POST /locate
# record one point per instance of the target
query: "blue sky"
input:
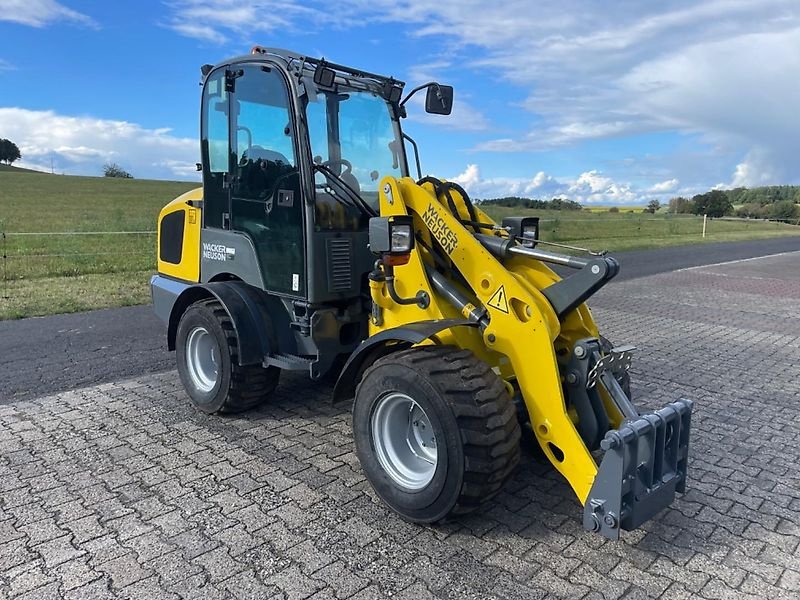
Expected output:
(601, 102)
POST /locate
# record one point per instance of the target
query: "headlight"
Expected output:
(401, 238)
(391, 235)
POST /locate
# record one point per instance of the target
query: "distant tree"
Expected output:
(653, 206)
(751, 210)
(614, 209)
(681, 206)
(517, 202)
(9, 152)
(785, 209)
(714, 204)
(114, 170)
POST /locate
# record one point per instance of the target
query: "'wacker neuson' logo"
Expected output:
(218, 252)
(439, 229)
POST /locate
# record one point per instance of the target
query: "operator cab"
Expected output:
(293, 150)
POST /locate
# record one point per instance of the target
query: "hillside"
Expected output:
(51, 269)
(33, 201)
(12, 169)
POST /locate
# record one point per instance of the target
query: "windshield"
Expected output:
(353, 135)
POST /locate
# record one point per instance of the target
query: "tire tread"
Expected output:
(485, 414)
(250, 384)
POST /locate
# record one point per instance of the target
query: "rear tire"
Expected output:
(436, 432)
(208, 363)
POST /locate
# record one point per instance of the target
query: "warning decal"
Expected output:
(499, 300)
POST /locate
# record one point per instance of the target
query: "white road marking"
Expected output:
(732, 262)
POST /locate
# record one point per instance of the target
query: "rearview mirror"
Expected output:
(439, 99)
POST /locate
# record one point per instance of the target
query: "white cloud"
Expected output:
(81, 145)
(726, 72)
(670, 185)
(591, 187)
(215, 20)
(6, 66)
(38, 13)
(740, 93)
(756, 169)
(540, 185)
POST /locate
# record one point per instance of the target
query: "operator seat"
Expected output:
(351, 181)
(256, 153)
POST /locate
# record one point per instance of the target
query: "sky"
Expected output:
(602, 102)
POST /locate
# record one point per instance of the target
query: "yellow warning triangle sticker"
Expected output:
(499, 300)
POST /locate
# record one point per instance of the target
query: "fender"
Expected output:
(248, 309)
(386, 342)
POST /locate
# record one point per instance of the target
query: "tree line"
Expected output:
(518, 202)
(766, 202)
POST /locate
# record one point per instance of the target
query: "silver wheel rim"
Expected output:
(404, 441)
(202, 359)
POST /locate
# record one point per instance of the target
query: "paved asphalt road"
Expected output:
(123, 490)
(49, 354)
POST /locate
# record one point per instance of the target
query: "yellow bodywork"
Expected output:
(524, 336)
(188, 269)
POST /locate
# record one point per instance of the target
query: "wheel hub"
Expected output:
(404, 441)
(202, 359)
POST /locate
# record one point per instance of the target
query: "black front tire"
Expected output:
(471, 414)
(236, 388)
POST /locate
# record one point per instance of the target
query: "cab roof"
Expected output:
(307, 65)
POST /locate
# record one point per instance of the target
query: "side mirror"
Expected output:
(526, 229)
(439, 99)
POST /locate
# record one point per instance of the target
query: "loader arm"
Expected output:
(535, 330)
(523, 326)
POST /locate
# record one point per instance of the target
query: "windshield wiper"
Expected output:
(353, 197)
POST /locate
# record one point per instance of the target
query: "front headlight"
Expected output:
(401, 238)
(391, 235)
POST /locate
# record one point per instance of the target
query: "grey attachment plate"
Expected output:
(618, 361)
(645, 463)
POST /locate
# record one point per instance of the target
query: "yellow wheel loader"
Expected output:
(311, 248)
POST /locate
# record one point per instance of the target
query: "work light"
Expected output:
(391, 236)
(402, 238)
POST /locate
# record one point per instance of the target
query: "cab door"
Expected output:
(266, 202)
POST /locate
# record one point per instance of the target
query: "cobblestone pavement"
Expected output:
(122, 490)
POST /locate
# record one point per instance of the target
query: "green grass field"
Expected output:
(54, 273)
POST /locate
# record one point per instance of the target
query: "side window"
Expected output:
(329, 214)
(263, 133)
(266, 202)
(214, 147)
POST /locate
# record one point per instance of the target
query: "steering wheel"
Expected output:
(339, 161)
